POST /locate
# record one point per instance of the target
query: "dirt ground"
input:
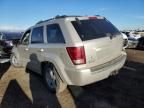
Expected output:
(19, 89)
(135, 55)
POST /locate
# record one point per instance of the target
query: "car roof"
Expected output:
(66, 17)
(18, 34)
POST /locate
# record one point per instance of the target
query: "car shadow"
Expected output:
(41, 96)
(14, 97)
(125, 90)
(26, 90)
(18, 96)
(3, 68)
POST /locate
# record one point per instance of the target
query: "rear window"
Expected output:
(94, 28)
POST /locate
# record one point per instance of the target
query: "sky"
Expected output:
(21, 14)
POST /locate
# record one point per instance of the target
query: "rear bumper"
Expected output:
(97, 73)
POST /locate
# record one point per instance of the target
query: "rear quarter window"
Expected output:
(54, 34)
(94, 28)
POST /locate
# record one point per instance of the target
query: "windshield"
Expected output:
(94, 28)
(12, 36)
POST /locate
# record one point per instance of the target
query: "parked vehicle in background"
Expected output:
(132, 42)
(7, 41)
(140, 45)
(135, 35)
(133, 39)
(71, 50)
(125, 40)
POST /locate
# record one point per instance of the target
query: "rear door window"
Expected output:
(94, 28)
(37, 35)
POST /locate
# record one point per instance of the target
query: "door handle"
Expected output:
(41, 50)
(26, 49)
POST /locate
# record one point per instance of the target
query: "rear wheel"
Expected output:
(14, 61)
(52, 80)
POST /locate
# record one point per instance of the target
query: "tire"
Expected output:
(14, 61)
(52, 79)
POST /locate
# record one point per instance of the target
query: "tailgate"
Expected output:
(102, 50)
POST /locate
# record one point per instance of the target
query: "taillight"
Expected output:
(96, 17)
(77, 55)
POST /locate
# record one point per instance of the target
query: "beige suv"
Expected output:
(71, 50)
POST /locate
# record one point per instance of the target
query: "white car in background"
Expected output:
(134, 35)
(125, 40)
(133, 39)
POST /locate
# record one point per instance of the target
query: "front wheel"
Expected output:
(52, 80)
(14, 61)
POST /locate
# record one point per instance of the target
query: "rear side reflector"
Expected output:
(77, 55)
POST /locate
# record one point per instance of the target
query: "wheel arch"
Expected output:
(51, 65)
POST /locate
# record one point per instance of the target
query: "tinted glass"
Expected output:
(54, 34)
(94, 28)
(37, 35)
(25, 38)
(11, 36)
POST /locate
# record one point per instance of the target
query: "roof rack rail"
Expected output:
(96, 15)
(39, 22)
(57, 17)
(65, 16)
